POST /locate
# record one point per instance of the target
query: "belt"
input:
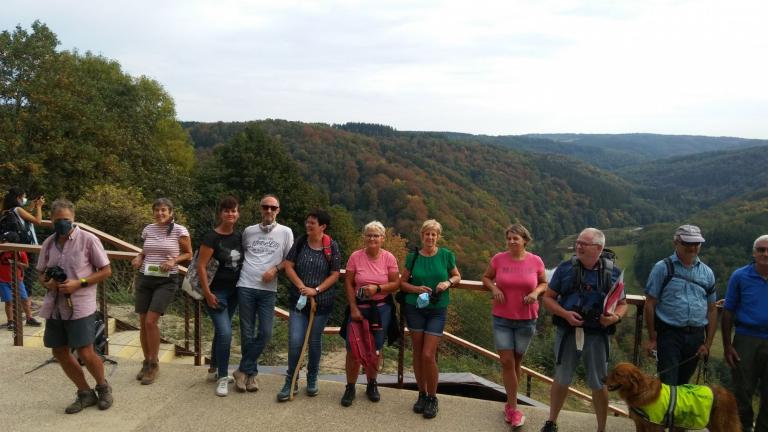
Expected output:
(661, 325)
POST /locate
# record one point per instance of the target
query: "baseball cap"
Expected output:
(689, 234)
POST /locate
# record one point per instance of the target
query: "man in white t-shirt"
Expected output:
(265, 247)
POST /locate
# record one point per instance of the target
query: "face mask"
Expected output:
(422, 300)
(301, 303)
(24, 201)
(62, 226)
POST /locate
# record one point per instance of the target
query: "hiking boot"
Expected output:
(105, 395)
(312, 389)
(252, 383)
(85, 398)
(222, 386)
(32, 322)
(285, 393)
(549, 426)
(430, 407)
(418, 407)
(144, 367)
(240, 378)
(151, 374)
(372, 390)
(349, 395)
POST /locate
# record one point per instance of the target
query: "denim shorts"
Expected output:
(510, 334)
(427, 320)
(6, 295)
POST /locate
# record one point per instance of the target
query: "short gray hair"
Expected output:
(62, 203)
(431, 224)
(375, 226)
(597, 236)
(762, 238)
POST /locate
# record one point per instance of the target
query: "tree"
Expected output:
(71, 120)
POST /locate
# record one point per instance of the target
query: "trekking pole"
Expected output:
(297, 369)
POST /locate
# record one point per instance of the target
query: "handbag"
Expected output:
(191, 283)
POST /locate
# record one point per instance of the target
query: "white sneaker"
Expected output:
(222, 387)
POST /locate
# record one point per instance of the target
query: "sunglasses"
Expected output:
(687, 244)
(761, 249)
(269, 207)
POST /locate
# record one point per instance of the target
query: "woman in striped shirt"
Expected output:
(165, 245)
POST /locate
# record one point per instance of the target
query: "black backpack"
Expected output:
(99, 338)
(11, 223)
(708, 290)
(588, 305)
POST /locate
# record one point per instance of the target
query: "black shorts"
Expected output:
(71, 333)
(154, 293)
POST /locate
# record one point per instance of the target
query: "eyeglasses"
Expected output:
(585, 244)
(761, 250)
(269, 207)
(372, 236)
(689, 244)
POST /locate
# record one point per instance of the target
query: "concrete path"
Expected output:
(181, 400)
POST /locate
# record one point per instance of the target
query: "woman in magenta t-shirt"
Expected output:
(371, 276)
(516, 278)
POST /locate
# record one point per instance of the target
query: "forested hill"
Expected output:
(474, 190)
(693, 182)
(614, 151)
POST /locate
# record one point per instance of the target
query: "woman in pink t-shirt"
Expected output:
(371, 276)
(516, 278)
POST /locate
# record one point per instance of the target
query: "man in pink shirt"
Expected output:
(71, 263)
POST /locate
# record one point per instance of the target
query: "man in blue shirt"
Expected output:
(680, 310)
(746, 307)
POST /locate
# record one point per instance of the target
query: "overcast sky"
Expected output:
(497, 67)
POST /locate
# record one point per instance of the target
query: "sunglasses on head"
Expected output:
(269, 207)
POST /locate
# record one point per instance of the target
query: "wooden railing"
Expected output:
(128, 251)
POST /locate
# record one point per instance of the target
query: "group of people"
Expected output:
(238, 273)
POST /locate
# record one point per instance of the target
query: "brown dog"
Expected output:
(640, 390)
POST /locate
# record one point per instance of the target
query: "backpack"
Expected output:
(671, 275)
(11, 223)
(588, 304)
(326, 246)
(99, 339)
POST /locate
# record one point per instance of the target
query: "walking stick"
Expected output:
(297, 369)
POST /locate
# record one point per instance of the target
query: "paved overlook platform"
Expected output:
(181, 400)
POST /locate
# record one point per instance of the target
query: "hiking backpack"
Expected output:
(671, 275)
(11, 223)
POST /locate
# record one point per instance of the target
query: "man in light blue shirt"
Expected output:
(680, 310)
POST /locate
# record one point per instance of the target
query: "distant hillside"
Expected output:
(474, 190)
(692, 182)
(614, 151)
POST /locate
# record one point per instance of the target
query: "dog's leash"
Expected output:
(677, 365)
(702, 371)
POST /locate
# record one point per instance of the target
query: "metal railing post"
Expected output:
(101, 288)
(638, 333)
(198, 334)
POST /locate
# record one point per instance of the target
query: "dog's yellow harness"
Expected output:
(686, 406)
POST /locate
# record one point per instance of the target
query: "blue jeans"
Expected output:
(253, 303)
(222, 328)
(297, 328)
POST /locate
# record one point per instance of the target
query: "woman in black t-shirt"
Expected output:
(224, 244)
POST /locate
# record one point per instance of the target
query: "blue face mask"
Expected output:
(422, 300)
(301, 303)
(62, 226)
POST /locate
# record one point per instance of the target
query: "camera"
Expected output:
(590, 309)
(56, 273)
(9, 237)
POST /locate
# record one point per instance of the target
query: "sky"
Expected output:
(486, 67)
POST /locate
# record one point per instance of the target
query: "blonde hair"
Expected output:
(375, 226)
(431, 224)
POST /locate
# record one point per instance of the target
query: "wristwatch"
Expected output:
(83, 282)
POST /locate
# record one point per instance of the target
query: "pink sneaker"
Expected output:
(514, 417)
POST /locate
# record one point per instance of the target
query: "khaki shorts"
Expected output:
(154, 293)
